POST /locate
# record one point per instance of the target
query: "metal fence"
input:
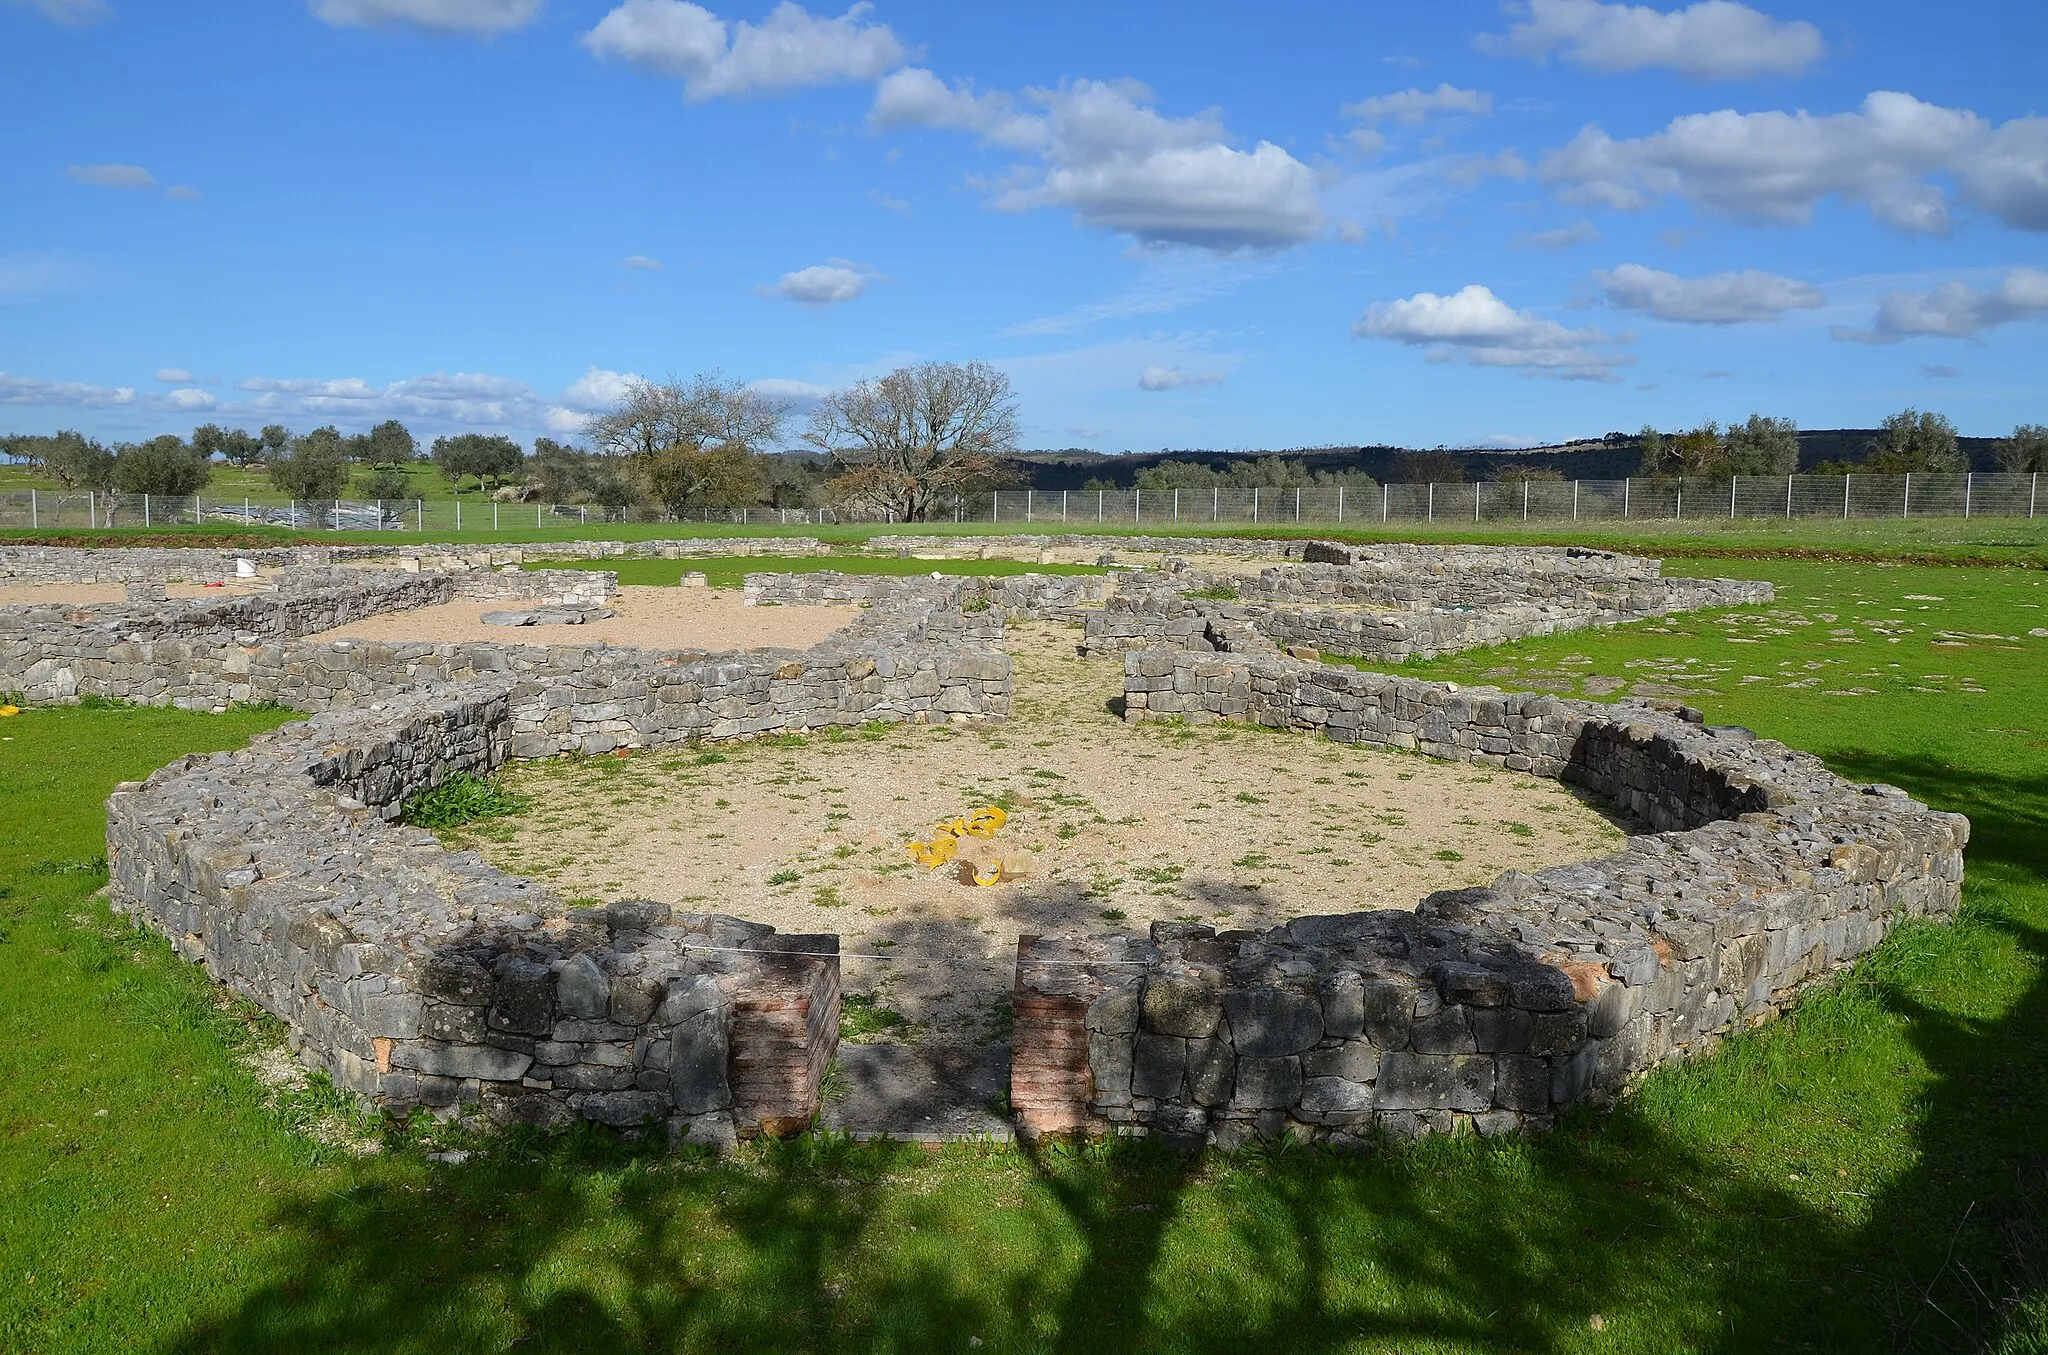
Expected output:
(1841, 497)
(1743, 497)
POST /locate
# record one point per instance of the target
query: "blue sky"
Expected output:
(1171, 225)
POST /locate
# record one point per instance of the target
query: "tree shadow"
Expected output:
(1619, 1229)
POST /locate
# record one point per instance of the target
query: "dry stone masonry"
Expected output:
(418, 977)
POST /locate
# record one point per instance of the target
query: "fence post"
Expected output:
(1575, 501)
(1624, 495)
(1386, 493)
(1432, 501)
(1255, 503)
(1297, 505)
(1731, 498)
(419, 521)
(1063, 505)
(92, 508)
(536, 516)
(1906, 506)
(1476, 490)
(494, 514)
(1216, 505)
(145, 510)
(1027, 505)
(1137, 497)
(1525, 500)
(2033, 492)
(1340, 503)
(1788, 496)
(1969, 483)
(1846, 478)
(1098, 505)
(1176, 505)
(1681, 500)
(34, 517)
(458, 514)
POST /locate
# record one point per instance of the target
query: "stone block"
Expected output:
(1269, 1083)
(1435, 1081)
(1160, 1065)
(460, 1061)
(1269, 1023)
(1180, 1007)
(524, 998)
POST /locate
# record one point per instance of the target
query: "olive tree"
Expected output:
(490, 458)
(1759, 446)
(1911, 442)
(907, 442)
(313, 467)
(2026, 450)
(163, 465)
(78, 462)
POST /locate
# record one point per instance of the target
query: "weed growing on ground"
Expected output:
(462, 798)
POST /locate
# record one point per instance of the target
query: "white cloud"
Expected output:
(112, 176)
(1477, 326)
(641, 261)
(1710, 40)
(790, 49)
(598, 388)
(882, 200)
(1411, 107)
(1715, 299)
(825, 284)
(174, 376)
(190, 400)
(1106, 155)
(76, 13)
(483, 17)
(1157, 377)
(1955, 310)
(1777, 166)
(31, 390)
(1562, 237)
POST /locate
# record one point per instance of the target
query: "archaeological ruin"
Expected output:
(415, 976)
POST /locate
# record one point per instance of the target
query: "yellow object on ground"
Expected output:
(6, 711)
(946, 837)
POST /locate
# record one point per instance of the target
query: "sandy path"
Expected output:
(1121, 825)
(652, 618)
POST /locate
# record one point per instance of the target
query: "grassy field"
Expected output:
(1870, 1173)
(235, 482)
(2005, 541)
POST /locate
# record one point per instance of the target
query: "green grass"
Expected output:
(462, 798)
(1870, 1173)
(2011, 541)
(730, 571)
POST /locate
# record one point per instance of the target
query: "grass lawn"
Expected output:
(2006, 541)
(1870, 1173)
(730, 571)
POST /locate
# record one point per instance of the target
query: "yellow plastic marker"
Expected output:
(984, 822)
(9, 711)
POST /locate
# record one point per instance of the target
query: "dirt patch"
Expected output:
(651, 618)
(1116, 826)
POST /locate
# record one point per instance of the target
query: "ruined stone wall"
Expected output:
(1491, 1008)
(419, 977)
(1062, 597)
(1361, 611)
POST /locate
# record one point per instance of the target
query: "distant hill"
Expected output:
(1614, 457)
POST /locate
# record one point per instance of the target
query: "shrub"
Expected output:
(460, 799)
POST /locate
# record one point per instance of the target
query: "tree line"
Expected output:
(906, 445)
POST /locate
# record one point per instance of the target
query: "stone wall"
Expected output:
(1389, 616)
(1491, 1008)
(419, 977)
(1014, 597)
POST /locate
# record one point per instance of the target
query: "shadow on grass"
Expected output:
(1625, 1231)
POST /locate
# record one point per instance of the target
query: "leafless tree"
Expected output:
(907, 442)
(693, 445)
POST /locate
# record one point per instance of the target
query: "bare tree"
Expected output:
(693, 446)
(905, 442)
(2026, 450)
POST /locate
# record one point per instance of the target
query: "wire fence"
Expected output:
(1739, 498)
(1841, 497)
